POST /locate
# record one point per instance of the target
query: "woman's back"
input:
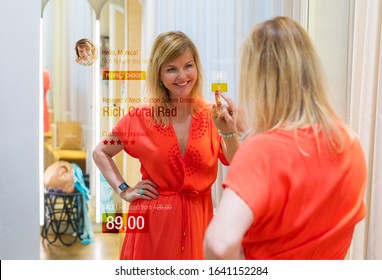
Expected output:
(305, 201)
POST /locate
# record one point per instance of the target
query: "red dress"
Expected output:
(305, 203)
(177, 220)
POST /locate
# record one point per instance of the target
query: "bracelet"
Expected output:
(245, 134)
(228, 135)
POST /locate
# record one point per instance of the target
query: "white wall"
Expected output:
(329, 28)
(19, 89)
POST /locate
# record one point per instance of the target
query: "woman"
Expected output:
(295, 187)
(178, 145)
(86, 52)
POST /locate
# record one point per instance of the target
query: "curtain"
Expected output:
(366, 119)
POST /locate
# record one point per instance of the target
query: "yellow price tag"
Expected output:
(223, 87)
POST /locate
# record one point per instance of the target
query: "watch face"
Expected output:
(123, 186)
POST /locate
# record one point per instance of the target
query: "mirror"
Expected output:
(69, 98)
(126, 32)
(68, 36)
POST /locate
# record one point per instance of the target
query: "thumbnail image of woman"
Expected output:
(178, 146)
(86, 52)
(296, 185)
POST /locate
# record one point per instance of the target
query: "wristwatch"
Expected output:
(123, 187)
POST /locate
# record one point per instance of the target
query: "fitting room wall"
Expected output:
(19, 93)
(329, 26)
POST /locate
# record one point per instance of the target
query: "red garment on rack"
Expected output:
(46, 80)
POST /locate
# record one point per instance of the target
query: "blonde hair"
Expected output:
(282, 84)
(167, 47)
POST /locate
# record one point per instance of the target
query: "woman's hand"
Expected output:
(227, 117)
(145, 189)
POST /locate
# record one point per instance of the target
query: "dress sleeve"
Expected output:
(249, 176)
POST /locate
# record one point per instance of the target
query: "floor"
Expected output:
(106, 246)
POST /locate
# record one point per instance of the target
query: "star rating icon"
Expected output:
(119, 142)
(132, 142)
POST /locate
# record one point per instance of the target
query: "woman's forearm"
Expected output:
(108, 169)
(230, 145)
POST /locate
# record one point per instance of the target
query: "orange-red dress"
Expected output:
(305, 203)
(177, 220)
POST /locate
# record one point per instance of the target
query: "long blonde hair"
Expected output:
(282, 84)
(167, 47)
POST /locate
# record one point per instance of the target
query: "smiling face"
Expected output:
(84, 53)
(180, 75)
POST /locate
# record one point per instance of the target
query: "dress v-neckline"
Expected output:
(188, 138)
